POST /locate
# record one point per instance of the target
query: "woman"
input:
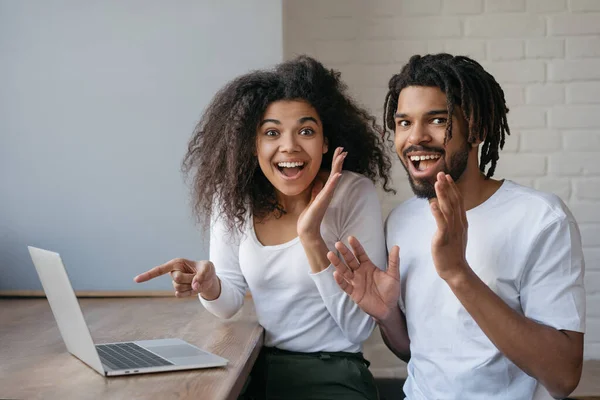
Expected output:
(266, 158)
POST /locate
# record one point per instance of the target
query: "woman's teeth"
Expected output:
(290, 164)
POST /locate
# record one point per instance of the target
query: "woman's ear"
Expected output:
(325, 145)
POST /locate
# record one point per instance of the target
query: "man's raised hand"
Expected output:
(375, 291)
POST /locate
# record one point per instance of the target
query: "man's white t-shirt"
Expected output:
(526, 246)
(301, 311)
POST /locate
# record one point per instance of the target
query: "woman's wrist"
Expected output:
(213, 291)
(311, 239)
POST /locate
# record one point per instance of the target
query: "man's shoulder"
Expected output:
(533, 203)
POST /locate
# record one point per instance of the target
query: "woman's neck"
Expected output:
(294, 205)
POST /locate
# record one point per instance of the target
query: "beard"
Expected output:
(424, 188)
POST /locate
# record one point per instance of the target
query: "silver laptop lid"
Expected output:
(65, 307)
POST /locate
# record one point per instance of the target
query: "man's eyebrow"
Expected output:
(428, 113)
(264, 121)
(437, 112)
(304, 119)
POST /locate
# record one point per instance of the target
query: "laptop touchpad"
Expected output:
(178, 350)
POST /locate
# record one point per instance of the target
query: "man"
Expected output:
(491, 316)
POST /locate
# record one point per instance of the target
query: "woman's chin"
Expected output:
(296, 186)
(292, 190)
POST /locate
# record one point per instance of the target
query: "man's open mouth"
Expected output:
(422, 162)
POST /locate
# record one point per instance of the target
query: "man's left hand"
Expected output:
(449, 243)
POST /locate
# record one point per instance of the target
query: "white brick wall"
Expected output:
(585, 46)
(544, 53)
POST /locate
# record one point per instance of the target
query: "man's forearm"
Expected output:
(553, 357)
(395, 334)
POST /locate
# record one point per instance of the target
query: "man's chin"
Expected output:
(423, 189)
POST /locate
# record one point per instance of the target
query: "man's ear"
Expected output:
(477, 141)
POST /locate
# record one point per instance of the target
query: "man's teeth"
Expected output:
(290, 164)
(423, 158)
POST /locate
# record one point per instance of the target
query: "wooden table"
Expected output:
(35, 364)
(589, 385)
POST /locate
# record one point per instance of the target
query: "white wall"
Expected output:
(544, 53)
(97, 102)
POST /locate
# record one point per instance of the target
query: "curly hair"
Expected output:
(466, 84)
(221, 154)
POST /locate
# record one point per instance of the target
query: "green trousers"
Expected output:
(285, 375)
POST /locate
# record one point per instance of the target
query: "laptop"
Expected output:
(110, 359)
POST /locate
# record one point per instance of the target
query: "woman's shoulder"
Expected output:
(355, 201)
(354, 190)
(354, 182)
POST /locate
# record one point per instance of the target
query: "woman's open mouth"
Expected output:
(290, 170)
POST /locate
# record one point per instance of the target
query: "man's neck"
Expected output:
(475, 188)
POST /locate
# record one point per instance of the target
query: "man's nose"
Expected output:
(419, 134)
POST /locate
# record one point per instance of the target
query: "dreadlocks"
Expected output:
(466, 84)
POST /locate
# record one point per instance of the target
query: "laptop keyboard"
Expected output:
(128, 355)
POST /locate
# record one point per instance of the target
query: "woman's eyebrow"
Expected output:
(304, 119)
(275, 121)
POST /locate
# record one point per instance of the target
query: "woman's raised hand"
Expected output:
(309, 222)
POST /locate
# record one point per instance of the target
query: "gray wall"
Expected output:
(97, 102)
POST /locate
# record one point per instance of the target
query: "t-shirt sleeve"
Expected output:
(224, 254)
(359, 215)
(552, 291)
